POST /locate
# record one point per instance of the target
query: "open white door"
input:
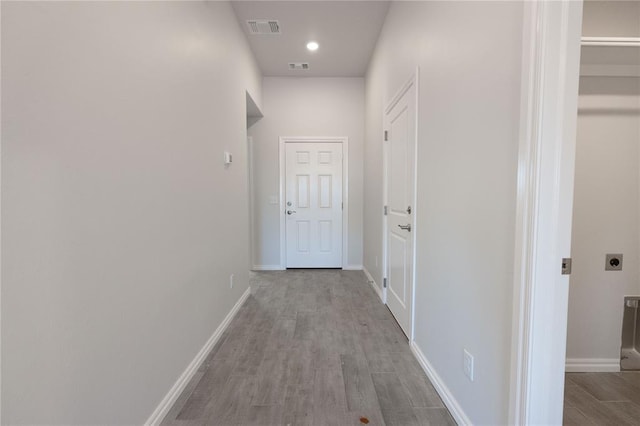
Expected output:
(313, 197)
(400, 136)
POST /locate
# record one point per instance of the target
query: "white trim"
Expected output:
(412, 82)
(449, 400)
(414, 213)
(281, 190)
(267, 268)
(170, 398)
(548, 115)
(352, 268)
(611, 41)
(375, 286)
(344, 140)
(524, 247)
(250, 184)
(592, 365)
(1, 215)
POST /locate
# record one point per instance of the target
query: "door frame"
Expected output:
(344, 140)
(548, 120)
(251, 191)
(413, 83)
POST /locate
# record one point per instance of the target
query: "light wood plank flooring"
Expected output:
(602, 399)
(311, 347)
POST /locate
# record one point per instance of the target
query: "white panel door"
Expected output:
(313, 203)
(400, 124)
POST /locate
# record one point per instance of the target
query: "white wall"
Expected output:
(120, 225)
(469, 55)
(611, 18)
(606, 215)
(305, 107)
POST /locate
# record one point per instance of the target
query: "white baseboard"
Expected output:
(167, 402)
(352, 268)
(592, 365)
(452, 404)
(375, 286)
(267, 268)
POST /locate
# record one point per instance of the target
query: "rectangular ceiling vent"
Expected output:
(263, 26)
(299, 66)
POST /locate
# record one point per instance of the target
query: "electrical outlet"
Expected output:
(231, 281)
(468, 365)
(613, 262)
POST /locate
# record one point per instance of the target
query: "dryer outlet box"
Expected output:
(613, 262)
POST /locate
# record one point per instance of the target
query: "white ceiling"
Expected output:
(346, 31)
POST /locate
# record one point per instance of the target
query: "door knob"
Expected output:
(290, 212)
(405, 227)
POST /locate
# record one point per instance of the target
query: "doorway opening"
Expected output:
(602, 340)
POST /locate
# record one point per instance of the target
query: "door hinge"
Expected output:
(384, 283)
(566, 266)
(386, 135)
(386, 210)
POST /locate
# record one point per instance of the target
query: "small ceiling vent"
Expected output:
(263, 26)
(298, 65)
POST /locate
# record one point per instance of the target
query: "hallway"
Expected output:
(310, 347)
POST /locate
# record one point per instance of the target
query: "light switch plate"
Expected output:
(273, 200)
(228, 158)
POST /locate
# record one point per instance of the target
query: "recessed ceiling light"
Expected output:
(312, 46)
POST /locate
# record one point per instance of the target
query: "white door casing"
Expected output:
(550, 75)
(400, 189)
(312, 202)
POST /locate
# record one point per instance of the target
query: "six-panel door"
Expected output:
(313, 205)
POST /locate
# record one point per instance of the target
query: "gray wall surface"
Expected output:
(120, 224)
(469, 54)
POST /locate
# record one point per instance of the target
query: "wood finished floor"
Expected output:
(602, 399)
(310, 347)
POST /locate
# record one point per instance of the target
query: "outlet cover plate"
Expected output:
(613, 262)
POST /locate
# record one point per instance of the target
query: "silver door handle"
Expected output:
(290, 212)
(405, 227)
